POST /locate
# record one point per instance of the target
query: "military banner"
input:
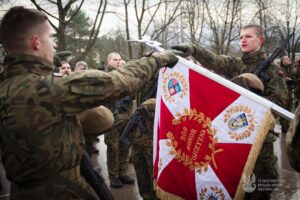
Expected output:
(206, 136)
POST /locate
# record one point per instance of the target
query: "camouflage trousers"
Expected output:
(117, 154)
(142, 160)
(265, 171)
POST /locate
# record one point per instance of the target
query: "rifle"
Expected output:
(94, 178)
(261, 68)
(137, 119)
(123, 104)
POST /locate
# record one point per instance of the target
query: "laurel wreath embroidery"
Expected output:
(184, 86)
(183, 157)
(216, 190)
(250, 129)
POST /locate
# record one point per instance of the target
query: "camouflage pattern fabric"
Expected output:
(288, 76)
(296, 72)
(293, 134)
(142, 158)
(147, 89)
(117, 153)
(38, 112)
(293, 141)
(275, 91)
(50, 191)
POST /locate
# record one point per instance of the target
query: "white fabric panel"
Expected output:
(207, 180)
(179, 101)
(164, 157)
(257, 113)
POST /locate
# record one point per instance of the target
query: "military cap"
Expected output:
(96, 120)
(59, 56)
(150, 104)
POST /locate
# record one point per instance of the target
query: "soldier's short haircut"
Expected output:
(82, 63)
(17, 22)
(258, 28)
(63, 62)
(112, 54)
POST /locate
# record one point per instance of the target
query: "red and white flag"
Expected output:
(206, 136)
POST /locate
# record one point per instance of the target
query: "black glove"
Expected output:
(184, 49)
(165, 58)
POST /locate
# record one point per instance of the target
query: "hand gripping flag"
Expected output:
(206, 136)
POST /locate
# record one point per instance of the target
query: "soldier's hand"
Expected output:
(165, 58)
(249, 81)
(184, 49)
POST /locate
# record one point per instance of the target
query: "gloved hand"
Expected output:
(184, 49)
(249, 81)
(165, 58)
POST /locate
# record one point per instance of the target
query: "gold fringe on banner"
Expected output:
(266, 125)
(163, 195)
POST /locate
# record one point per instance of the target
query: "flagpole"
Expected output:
(260, 100)
(205, 72)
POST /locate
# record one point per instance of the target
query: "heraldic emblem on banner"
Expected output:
(204, 137)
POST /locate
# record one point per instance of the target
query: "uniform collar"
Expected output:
(254, 58)
(16, 64)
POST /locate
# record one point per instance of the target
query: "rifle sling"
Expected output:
(53, 176)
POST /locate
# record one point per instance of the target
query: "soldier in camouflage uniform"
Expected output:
(293, 135)
(293, 141)
(251, 40)
(42, 142)
(118, 153)
(287, 68)
(296, 73)
(142, 152)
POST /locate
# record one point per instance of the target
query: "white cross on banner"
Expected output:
(206, 136)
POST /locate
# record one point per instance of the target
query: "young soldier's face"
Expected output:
(115, 61)
(249, 40)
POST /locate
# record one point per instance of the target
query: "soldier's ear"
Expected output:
(262, 40)
(35, 42)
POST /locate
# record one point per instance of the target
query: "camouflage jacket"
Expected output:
(293, 141)
(293, 134)
(229, 66)
(121, 107)
(38, 111)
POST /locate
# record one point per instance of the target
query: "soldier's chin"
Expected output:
(245, 50)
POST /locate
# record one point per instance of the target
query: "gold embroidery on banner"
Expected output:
(250, 129)
(217, 193)
(183, 84)
(182, 157)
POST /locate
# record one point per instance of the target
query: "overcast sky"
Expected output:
(111, 22)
